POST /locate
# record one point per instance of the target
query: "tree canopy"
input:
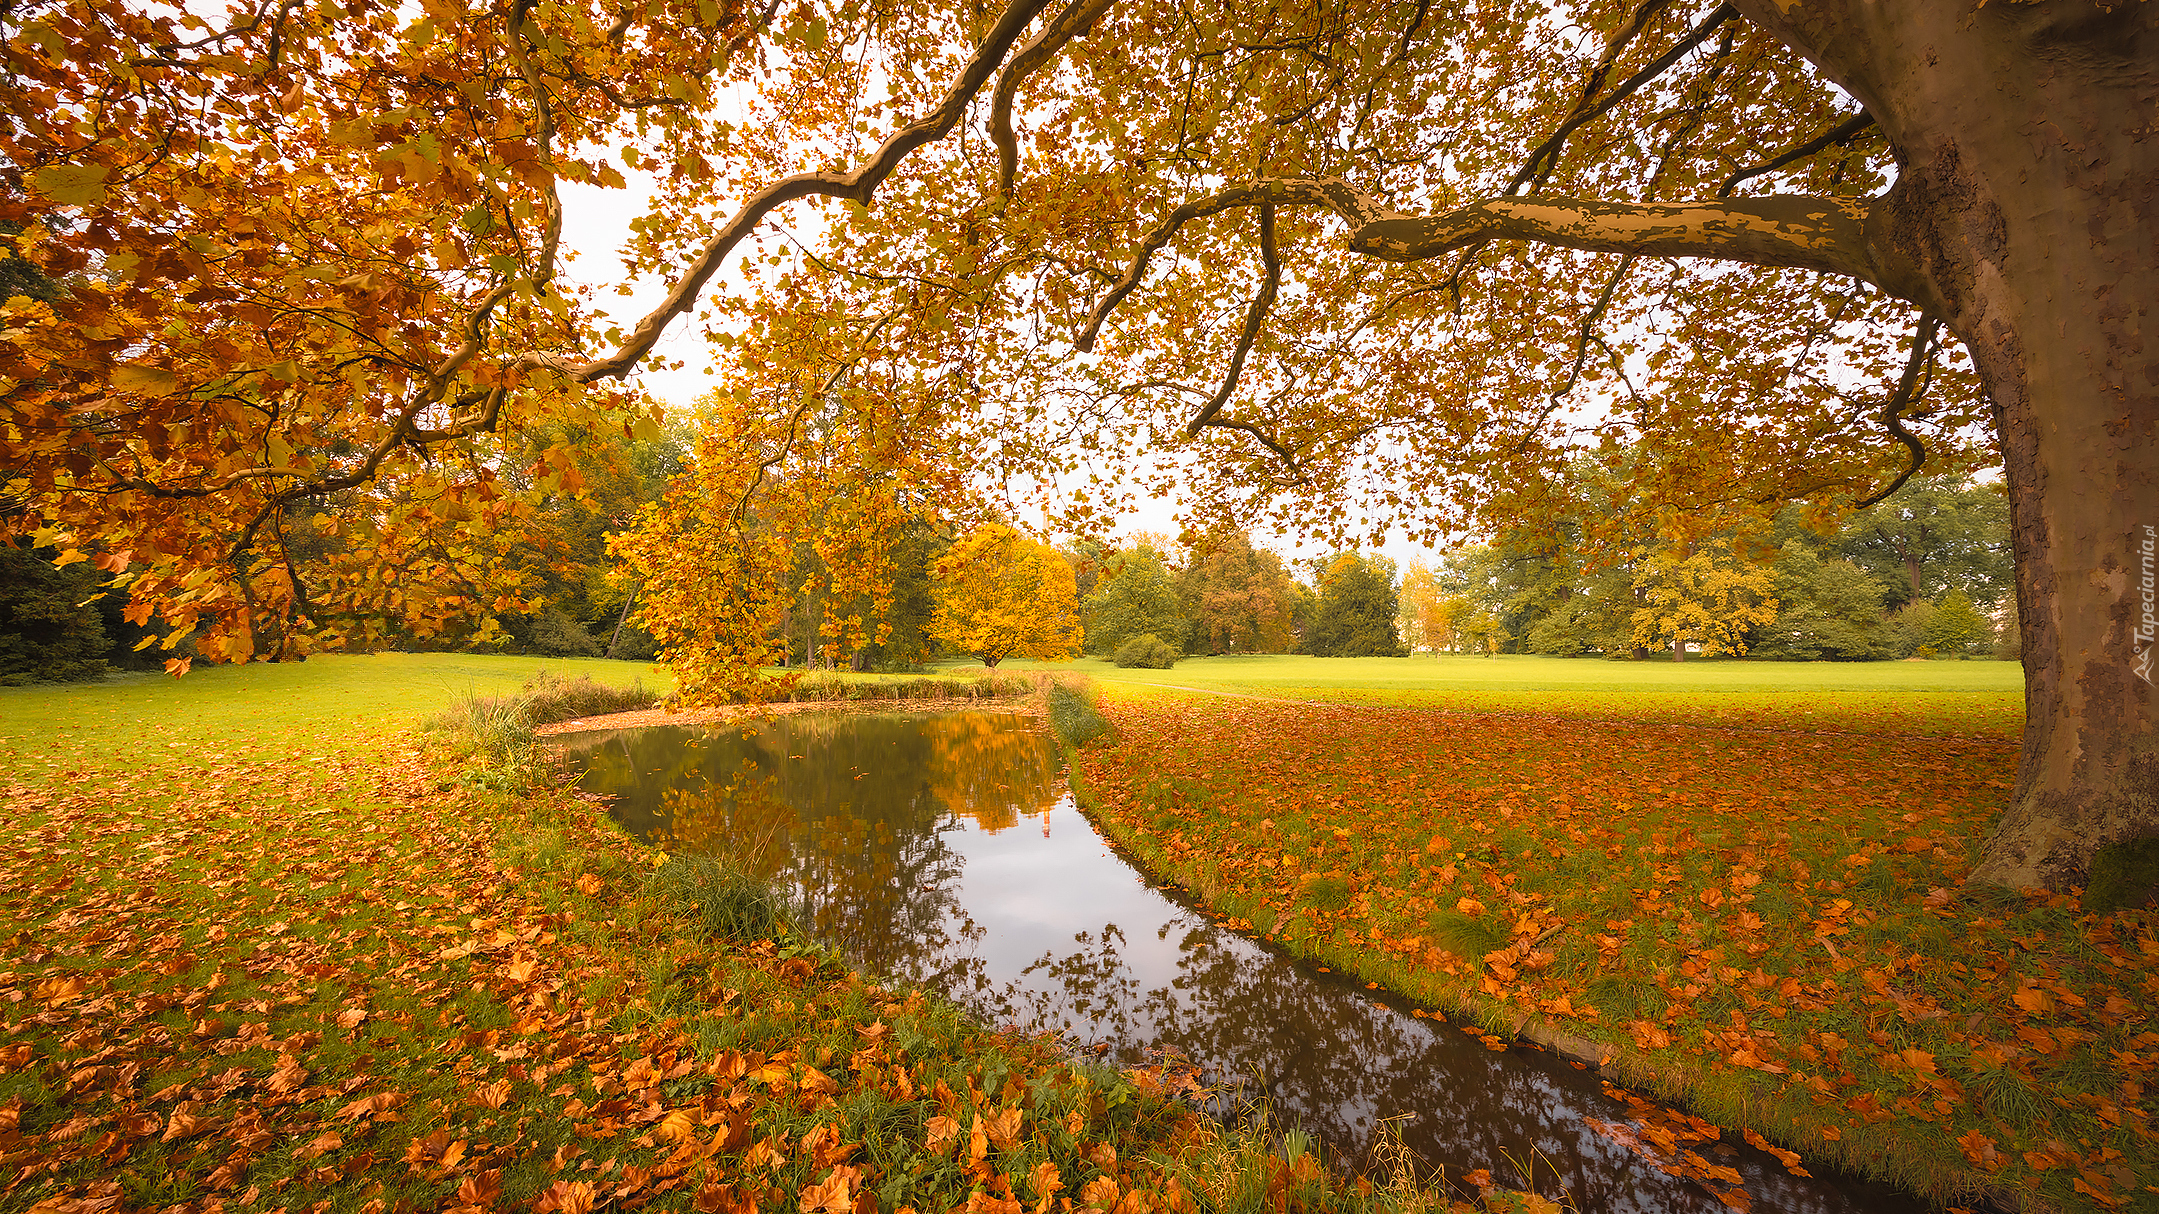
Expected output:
(1357, 260)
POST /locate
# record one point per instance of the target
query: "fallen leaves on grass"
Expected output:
(1761, 911)
(291, 981)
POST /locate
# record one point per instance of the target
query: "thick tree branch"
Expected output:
(1077, 18)
(1830, 235)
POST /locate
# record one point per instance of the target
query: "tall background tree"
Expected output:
(1357, 608)
(305, 251)
(1133, 595)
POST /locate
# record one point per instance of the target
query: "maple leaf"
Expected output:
(480, 1188)
(522, 969)
(1003, 1128)
(1980, 1150)
(566, 1197)
(832, 1195)
(677, 1126)
(942, 1131)
(589, 884)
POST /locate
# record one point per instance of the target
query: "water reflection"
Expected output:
(940, 848)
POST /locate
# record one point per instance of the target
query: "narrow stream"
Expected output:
(943, 848)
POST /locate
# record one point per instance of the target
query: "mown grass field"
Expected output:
(268, 949)
(1746, 892)
(1879, 697)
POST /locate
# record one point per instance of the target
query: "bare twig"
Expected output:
(1838, 135)
(1909, 389)
(1254, 318)
(1534, 169)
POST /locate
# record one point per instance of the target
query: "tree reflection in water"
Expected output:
(897, 832)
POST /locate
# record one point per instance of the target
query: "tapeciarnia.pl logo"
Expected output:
(2148, 591)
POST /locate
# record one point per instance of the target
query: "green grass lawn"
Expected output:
(328, 703)
(1875, 697)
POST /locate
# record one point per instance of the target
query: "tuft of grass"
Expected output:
(1466, 936)
(825, 686)
(725, 903)
(1073, 714)
(1327, 893)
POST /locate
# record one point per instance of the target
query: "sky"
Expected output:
(596, 223)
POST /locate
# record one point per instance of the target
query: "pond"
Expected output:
(944, 849)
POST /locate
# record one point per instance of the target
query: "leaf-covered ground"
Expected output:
(262, 954)
(1766, 917)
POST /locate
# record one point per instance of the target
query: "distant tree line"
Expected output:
(1926, 573)
(1226, 596)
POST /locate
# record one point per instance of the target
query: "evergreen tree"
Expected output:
(49, 632)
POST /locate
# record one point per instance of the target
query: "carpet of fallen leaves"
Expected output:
(264, 974)
(1766, 918)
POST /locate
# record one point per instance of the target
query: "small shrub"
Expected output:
(1146, 651)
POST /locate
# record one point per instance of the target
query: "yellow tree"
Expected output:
(1425, 622)
(999, 593)
(1707, 598)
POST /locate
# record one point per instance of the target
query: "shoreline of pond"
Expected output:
(1191, 902)
(645, 718)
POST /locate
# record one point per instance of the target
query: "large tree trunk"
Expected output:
(2029, 202)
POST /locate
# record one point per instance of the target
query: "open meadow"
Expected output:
(1897, 697)
(1738, 884)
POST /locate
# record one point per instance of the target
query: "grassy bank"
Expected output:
(265, 952)
(1760, 922)
(1874, 697)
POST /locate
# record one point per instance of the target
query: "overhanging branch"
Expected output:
(1910, 387)
(1842, 133)
(1255, 318)
(1077, 18)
